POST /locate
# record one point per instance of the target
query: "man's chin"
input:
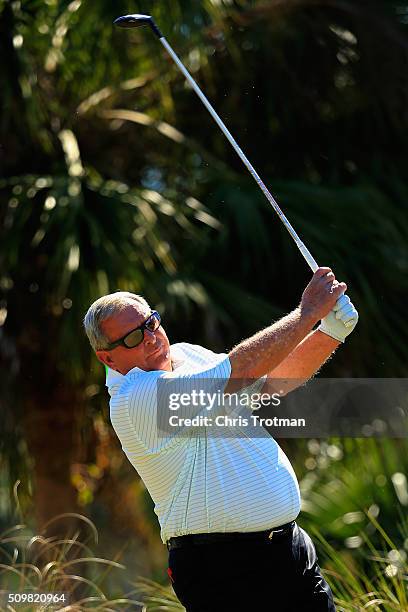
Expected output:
(160, 358)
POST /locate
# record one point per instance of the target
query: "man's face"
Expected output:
(152, 354)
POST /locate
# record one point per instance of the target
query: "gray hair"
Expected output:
(102, 309)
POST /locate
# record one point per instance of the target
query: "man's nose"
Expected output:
(149, 336)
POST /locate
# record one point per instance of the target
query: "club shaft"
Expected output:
(302, 248)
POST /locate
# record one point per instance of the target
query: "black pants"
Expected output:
(278, 575)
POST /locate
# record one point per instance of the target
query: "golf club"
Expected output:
(136, 21)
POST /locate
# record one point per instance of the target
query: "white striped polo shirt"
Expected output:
(200, 484)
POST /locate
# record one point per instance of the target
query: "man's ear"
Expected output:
(105, 357)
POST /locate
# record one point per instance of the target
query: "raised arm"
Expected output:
(310, 354)
(303, 362)
(263, 352)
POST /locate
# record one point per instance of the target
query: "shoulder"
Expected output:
(185, 350)
(193, 360)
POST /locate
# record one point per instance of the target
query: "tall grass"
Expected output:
(370, 578)
(373, 578)
(34, 563)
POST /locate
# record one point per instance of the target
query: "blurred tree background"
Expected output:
(113, 176)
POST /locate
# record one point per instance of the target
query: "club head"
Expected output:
(132, 21)
(136, 21)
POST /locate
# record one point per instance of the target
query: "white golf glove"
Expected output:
(340, 321)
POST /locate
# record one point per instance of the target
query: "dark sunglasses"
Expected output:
(136, 336)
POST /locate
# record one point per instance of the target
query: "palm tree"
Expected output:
(69, 234)
(103, 189)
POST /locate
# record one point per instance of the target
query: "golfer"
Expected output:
(226, 505)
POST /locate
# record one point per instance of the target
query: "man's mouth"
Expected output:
(159, 348)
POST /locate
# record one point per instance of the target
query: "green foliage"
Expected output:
(35, 563)
(114, 176)
(296, 85)
(69, 224)
(375, 580)
(347, 481)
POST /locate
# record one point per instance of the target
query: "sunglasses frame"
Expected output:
(142, 327)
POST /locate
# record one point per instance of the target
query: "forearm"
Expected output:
(264, 351)
(304, 361)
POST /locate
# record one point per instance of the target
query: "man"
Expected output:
(226, 505)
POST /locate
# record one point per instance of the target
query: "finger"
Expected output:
(343, 301)
(346, 314)
(348, 306)
(329, 285)
(327, 279)
(321, 272)
(350, 318)
(337, 289)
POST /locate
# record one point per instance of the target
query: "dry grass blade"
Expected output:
(61, 550)
(109, 568)
(28, 566)
(78, 603)
(51, 574)
(123, 601)
(73, 515)
(72, 541)
(18, 539)
(10, 530)
(55, 544)
(92, 560)
(15, 495)
(36, 547)
(158, 596)
(52, 565)
(13, 570)
(76, 579)
(12, 558)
